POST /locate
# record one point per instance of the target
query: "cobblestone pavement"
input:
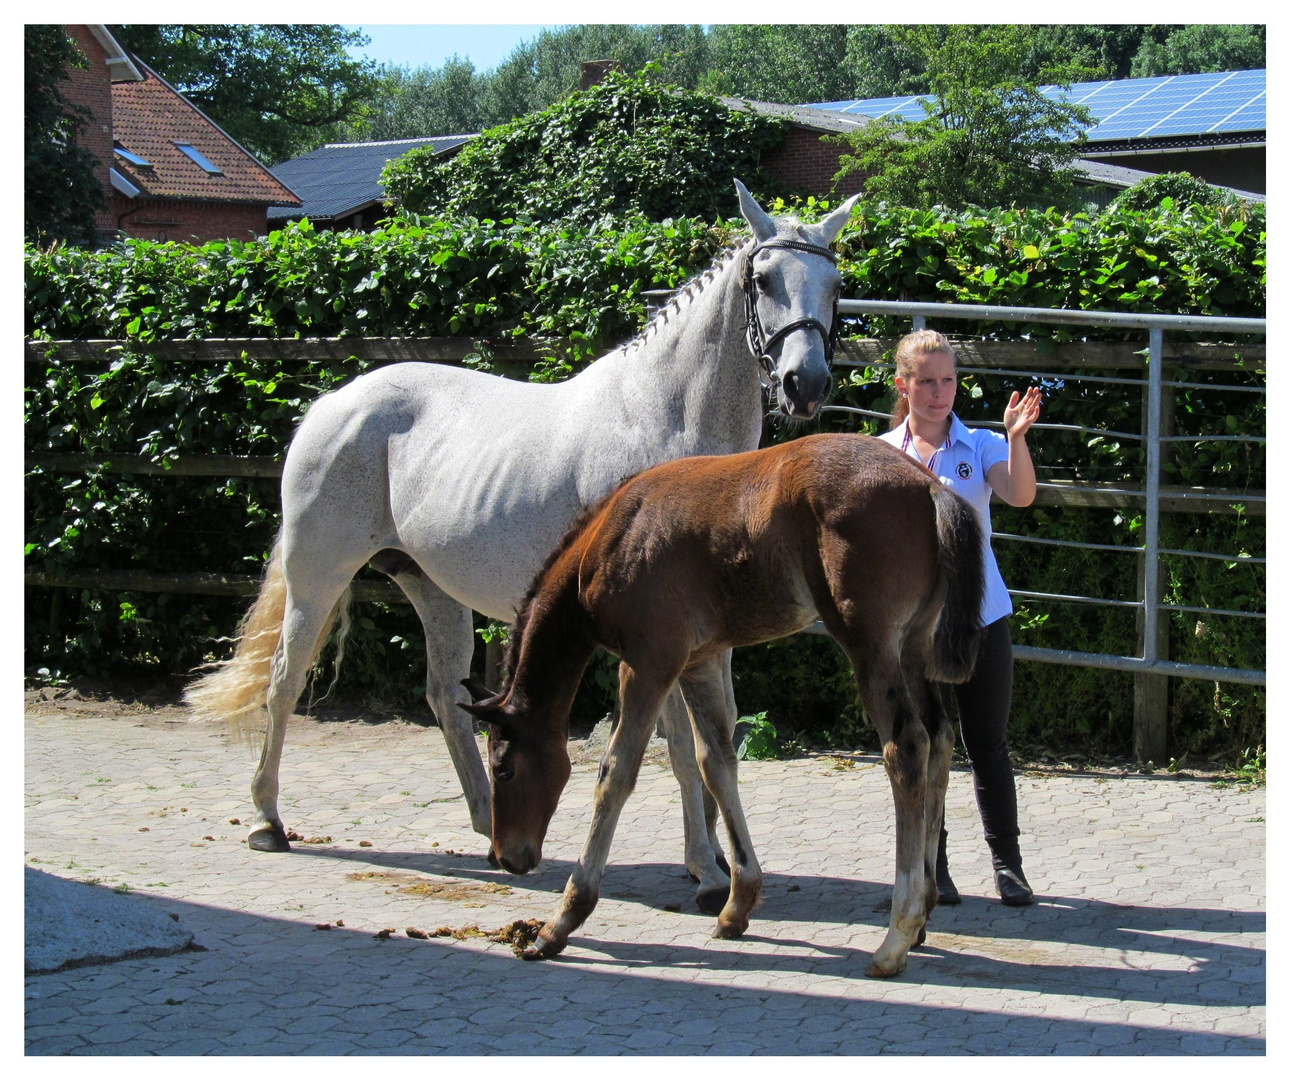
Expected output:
(1148, 937)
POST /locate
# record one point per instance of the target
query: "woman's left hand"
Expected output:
(1021, 412)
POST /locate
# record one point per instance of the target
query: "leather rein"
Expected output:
(758, 341)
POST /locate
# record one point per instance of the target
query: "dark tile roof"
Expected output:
(342, 178)
(824, 121)
(150, 118)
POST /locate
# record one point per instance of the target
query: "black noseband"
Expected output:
(758, 341)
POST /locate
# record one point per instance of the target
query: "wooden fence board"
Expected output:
(1077, 355)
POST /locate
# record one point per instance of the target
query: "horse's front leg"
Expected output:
(702, 855)
(705, 692)
(641, 700)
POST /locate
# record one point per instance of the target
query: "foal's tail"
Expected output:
(962, 571)
(236, 688)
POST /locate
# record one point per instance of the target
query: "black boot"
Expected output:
(946, 891)
(1013, 888)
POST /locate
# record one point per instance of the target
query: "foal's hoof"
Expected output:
(730, 930)
(543, 950)
(269, 838)
(712, 901)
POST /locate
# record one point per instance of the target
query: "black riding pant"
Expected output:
(983, 703)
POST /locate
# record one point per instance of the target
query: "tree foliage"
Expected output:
(989, 137)
(61, 189)
(626, 145)
(280, 90)
(785, 62)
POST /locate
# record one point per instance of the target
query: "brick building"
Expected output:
(170, 172)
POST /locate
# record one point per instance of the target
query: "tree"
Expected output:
(279, 90)
(415, 102)
(1185, 50)
(61, 190)
(989, 138)
(628, 145)
(782, 62)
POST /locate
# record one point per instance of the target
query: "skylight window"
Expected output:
(198, 159)
(133, 158)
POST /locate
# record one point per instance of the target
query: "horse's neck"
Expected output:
(557, 642)
(693, 367)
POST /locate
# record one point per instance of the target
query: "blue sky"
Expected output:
(417, 46)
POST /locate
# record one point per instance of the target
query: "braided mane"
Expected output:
(688, 292)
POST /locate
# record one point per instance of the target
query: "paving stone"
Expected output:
(1167, 959)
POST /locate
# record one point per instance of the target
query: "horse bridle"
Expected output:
(757, 340)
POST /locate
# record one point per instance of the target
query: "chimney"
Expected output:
(593, 71)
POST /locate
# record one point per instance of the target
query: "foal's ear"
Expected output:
(479, 691)
(762, 225)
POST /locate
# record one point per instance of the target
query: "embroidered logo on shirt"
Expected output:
(964, 471)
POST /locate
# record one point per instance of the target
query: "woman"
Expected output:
(974, 463)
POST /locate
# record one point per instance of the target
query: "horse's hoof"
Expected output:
(877, 972)
(712, 901)
(729, 931)
(543, 950)
(269, 838)
(922, 936)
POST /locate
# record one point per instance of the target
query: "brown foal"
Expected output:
(691, 558)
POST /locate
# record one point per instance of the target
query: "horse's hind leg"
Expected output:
(307, 615)
(941, 731)
(704, 691)
(447, 629)
(906, 750)
(641, 701)
(701, 852)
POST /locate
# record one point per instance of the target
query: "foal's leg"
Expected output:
(700, 850)
(704, 690)
(941, 732)
(641, 700)
(306, 616)
(447, 629)
(906, 748)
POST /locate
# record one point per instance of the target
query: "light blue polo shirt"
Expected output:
(962, 464)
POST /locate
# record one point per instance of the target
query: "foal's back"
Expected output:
(702, 554)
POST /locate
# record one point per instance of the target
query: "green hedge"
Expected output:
(578, 287)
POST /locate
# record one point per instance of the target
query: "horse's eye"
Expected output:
(503, 775)
(762, 282)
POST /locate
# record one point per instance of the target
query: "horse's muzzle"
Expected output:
(522, 862)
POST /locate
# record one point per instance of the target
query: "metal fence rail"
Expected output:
(1150, 662)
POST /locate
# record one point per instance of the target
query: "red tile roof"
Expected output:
(150, 118)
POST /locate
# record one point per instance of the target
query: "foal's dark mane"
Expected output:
(522, 614)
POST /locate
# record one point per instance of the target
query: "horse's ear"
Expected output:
(479, 691)
(833, 224)
(762, 225)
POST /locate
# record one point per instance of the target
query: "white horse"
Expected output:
(458, 484)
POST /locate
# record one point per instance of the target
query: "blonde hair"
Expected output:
(907, 351)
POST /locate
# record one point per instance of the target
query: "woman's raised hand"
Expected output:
(1021, 412)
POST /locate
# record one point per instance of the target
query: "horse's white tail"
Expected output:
(236, 689)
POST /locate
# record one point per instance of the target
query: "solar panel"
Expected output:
(1160, 107)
